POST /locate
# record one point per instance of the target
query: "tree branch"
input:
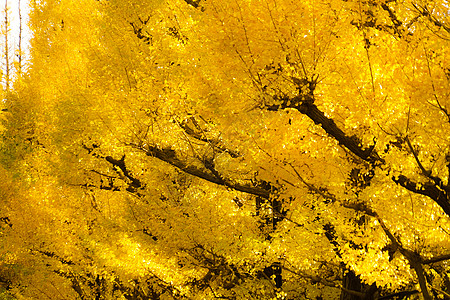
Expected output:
(424, 172)
(135, 183)
(169, 156)
(55, 256)
(422, 280)
(436, 259)
(194, 3)
(199, 134)
(304, 103)
(438, 194)
(316, 279)
(425, 12)
(400, 295)
(414, 259)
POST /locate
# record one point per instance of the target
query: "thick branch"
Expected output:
(422, 280)
(436, 259)
(351, 143)
(194, 3)
(309, 109)
(439, 195)
(169, 156)
(135, 183)
(414, 259)
(305, 105)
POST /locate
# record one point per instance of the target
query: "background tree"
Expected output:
(20, 51)
(7, 60)
(240, 150)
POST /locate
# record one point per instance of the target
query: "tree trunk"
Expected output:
(350, 282)
(354, 289)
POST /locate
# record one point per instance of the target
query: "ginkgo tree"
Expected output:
(229, 149)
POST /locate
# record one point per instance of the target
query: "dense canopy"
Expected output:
(244, 149)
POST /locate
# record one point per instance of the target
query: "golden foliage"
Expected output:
(238, 149)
